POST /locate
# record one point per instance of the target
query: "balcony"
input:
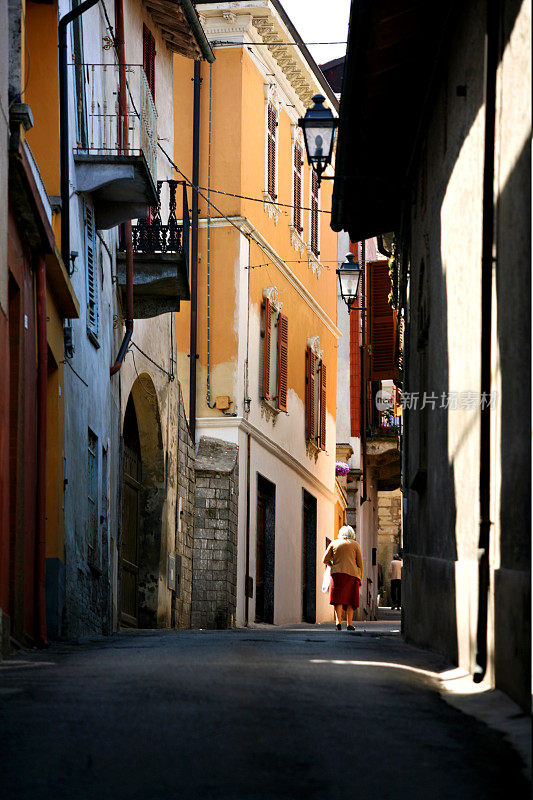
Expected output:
(120, 179)
(160, 255)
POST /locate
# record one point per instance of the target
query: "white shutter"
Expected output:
(90, 271)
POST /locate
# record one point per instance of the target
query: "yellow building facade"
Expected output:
(267, 333)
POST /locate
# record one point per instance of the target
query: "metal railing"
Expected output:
(152, 236)
(99, 123)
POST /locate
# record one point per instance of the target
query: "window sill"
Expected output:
(297, 241)
(271, 208)
(270, 410)
(312, 449)
(314, 263)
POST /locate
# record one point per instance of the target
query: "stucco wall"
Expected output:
(442, 521)
(96, 401)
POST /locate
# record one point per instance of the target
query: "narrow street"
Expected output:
(262, 713)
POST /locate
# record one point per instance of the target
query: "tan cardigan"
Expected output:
(344, 555)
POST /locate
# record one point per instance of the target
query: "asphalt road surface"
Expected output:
(246, 714)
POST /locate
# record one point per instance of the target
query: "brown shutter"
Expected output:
(265, 389)
(381, 322)
(297, 200)
(149, 59)
(271, 150)
(283, 346)
(310, 395)
(322, 432)
(314, 213)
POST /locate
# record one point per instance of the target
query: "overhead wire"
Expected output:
(224, 216)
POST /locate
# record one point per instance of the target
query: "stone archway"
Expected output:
(144, 494)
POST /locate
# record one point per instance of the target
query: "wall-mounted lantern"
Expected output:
(350, 273)
(319, 127)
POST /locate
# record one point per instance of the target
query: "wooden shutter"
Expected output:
(322, 428)
(297, 199)
(314, 213)
(265, 387)
(272, 124)
(355, 373)
(149, 58)
(381, 322)
(310, 395)
(90, 271)
(283, 347)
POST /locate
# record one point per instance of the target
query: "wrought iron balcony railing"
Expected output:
(153, 236)
(99, 124)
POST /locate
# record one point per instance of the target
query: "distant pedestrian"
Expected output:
(395, 574)
(346, 561)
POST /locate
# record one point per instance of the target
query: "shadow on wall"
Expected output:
(513, 291)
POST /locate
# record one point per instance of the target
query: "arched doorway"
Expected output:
(143, 496)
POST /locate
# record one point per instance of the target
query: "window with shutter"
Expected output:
(283, 346)
(322, 395)
(311, 368)
(149, 58)
(272, 125)
(382, 326)
(297, 184)
(91, 272)
(267, 317)
(314, 215)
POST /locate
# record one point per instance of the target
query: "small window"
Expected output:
(275, 335)
(91, 273)
(297, 188)
(92, 498)
(316, 400)
(314, 226)
(272, 133)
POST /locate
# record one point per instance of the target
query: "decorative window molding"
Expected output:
(313, 343)
(314, 263)
(297, 241)
(270, 293)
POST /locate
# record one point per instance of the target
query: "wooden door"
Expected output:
(308, 558)
(260, 561)
(130, 536)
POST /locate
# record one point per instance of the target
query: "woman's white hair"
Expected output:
(347, 532)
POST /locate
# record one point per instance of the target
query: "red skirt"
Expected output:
(344, 590)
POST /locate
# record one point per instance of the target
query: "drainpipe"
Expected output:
(42, 381)
(63, 125)
(194, 250)
(362, 398)
(247, 554)
(123, 111)
(487, 260)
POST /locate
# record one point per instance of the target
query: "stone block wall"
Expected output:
(214, 581)
(389, 536)
(181, 600)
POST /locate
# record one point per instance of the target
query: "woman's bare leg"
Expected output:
(349, 615)
(338, 614)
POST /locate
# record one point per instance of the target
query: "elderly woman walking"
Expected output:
(346, 561)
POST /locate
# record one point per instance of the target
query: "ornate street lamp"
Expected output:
(319, 127)
(349, 273)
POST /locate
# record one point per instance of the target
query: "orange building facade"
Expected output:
(267, 333)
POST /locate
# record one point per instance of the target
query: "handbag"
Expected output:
(326, 579)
